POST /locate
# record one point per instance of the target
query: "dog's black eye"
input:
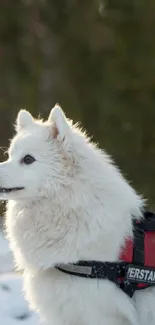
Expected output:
(27, 160)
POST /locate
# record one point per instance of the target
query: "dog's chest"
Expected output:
(57, 297)
(69, 300)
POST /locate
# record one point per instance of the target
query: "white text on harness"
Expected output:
(140, 274)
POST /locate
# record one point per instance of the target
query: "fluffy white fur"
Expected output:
(75, 205)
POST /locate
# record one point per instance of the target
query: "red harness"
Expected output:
(136, 268)
(149, 249)
(141, 251)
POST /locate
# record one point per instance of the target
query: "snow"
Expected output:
(6, 260)
(14, 309)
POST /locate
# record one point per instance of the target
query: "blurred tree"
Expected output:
(94, 57)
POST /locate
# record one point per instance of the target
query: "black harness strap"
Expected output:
(114, 272)
(138, 251)
(94, 269)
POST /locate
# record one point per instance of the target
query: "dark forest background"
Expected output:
(97, 59)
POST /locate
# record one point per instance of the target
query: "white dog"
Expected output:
(67, 202)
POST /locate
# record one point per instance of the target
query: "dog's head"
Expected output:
(42, 158)
(88, 199)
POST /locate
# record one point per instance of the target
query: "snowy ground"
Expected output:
(14, 308)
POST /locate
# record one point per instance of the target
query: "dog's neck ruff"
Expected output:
(136, 266)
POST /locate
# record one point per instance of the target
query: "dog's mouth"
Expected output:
(11, 189)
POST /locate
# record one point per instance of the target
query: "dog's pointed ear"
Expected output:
(23, 120)
(59, 122)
